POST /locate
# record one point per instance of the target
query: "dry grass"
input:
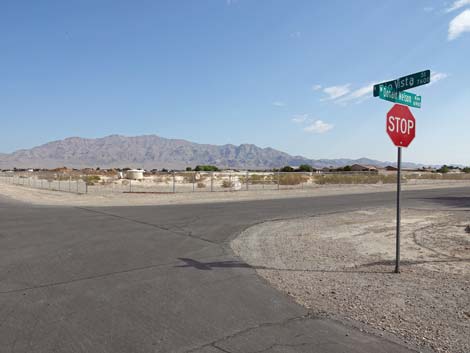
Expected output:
(355, 179)
(261, 179)
(293, 179)
(439, 176)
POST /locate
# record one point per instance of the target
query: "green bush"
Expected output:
(305, 168)
(444, 169)
(287, 169)
(206, 168)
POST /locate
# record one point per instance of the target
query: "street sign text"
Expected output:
(405, 82)
(403, 97)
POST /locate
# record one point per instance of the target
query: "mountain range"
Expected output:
(154, 152)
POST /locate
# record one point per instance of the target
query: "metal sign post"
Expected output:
(397, 257)
(401, 125)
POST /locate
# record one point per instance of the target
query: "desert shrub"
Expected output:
(201, 185)
(187, 177)
(256, 179)
(292, 179)
(91, 179)
(242, 179)
(227, 184)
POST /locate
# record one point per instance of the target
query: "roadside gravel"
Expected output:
(341, 266)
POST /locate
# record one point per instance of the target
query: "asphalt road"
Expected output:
(163, 279)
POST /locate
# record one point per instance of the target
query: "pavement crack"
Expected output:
(180, 232)
(216, 343)
(103, 275)
(220, 348)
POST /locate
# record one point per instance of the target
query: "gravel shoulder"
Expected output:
(341, 266)
(57, 198)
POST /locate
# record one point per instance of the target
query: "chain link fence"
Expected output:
(193, 182)
(107, 182)
(162, 182)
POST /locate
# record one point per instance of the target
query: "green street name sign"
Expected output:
(405, 82)
(405, 98)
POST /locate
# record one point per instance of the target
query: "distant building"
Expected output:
(135, 174)
(390, 168)
(363, 168)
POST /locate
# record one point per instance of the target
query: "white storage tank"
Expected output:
(135, 174)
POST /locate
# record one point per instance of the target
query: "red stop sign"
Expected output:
(401, 125)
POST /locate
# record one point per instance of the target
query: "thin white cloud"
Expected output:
(459, 25)
(458, 4)
(359, 94)
(318, 127)
(437, 76)
(299, 118)
(316, 87)
(335, 92)
(279, 104)
(428, 9)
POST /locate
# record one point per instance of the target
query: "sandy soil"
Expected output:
(56, 198)
(341, 266)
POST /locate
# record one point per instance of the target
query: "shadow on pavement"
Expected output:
(451, 201)
(411, 263)
(206, 266)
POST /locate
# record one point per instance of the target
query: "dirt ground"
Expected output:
(341, 266)
(57, 198)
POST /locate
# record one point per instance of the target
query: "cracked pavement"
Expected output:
(162, 279)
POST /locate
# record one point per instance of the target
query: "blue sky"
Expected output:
(293, 75)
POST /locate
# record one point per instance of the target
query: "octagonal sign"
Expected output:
(401, 125)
